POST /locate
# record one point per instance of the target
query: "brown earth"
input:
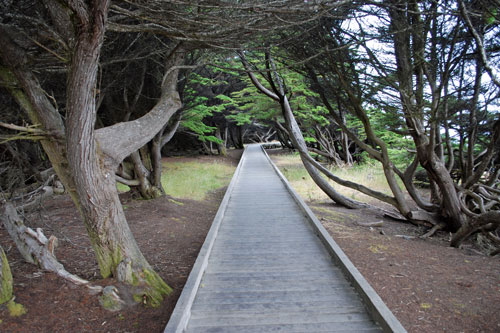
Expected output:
(169, 231)
(429, 286)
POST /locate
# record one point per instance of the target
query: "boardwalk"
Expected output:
(263, 268)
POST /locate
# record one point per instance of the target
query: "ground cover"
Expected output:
(428, 285)
(169, 231)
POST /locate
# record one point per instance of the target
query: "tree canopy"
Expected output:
(104, 85)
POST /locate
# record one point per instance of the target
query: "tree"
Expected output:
(64, 41)
(93, 155)
(450, 205)
(424, 58)
(278, 94)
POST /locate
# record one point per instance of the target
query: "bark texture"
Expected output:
(36, 248)
(94, 156)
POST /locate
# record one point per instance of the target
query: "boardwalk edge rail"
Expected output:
(374, 304)
(182, 311)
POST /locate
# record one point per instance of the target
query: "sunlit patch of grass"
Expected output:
(370, 175)
(292, 168)
(122, 187)
(193, 180)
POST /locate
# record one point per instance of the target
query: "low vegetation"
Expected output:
(367, 174)
(192, 179)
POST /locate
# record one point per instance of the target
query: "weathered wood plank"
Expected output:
(302, 328)
(339, 306)
(284, 318)
(275, 297)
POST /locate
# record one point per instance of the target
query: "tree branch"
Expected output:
(120, 140)
(479, 43)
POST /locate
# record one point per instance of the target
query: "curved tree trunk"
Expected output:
(221, 147)
(436, 169)
(295, 133)
(40, 110)
(300, 144)
(94, 156)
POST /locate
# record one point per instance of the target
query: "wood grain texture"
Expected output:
(268, 270)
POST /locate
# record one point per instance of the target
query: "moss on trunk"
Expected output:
(6, 278)
(153, 290)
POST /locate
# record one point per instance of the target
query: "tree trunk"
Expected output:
(94, 156)
(5, 279)
(299, 142)
(450, 202)
(146, 188)
(221, 147)
(295, 133)
(30, 96)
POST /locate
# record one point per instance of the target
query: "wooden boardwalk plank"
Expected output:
(264, 267)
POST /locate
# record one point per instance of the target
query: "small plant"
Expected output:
(16, 309)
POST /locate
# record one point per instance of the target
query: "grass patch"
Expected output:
(122, 187)
(370, 175)
(193, 180)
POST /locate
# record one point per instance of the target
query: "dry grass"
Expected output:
(370, 175)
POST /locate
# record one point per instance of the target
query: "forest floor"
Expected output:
(429, 286)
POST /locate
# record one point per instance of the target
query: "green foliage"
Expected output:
(388, 127)
(197, 107)
(490, 15)
(251, 105)
(16, 309)
(309, 139)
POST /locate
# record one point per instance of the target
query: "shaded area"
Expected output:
(169, 231)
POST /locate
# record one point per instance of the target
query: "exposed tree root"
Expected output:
(32, 199)
(495, 240)
(376, 224)
(433, 230)
(37, 249)
(489, 221)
